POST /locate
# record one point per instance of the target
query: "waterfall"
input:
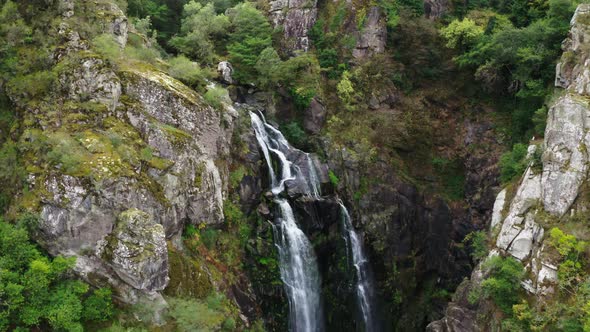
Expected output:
(364, 283)
(297, 261)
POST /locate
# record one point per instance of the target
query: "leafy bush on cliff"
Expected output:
(201, 32)
(513, 163)
(37, 292)
(503, 284)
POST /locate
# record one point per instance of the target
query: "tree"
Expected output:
(201, 32)
(36, 290)
(462, 34)
(251, 34)
(345, 89)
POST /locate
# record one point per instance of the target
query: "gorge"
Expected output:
(184, 165)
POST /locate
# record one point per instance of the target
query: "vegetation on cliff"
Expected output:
(491, 60)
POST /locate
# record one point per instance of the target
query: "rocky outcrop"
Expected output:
(434, 9)
(314, 117)
(296, 17)
(137, 252)
(372, 36)
(137, 156)
(550, 190)
(225, 71)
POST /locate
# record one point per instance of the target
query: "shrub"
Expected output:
(513, 163)
(503, 283)
(333, 178)
(478, 243)
(196, 315)
(201, 31)
(190, 73)
(38, 291)
(294, 134)
(107, 46)
(250, 36)
(209, 237)
(216, 96)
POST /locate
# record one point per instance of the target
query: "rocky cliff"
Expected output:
(129, 157)
(552, 189)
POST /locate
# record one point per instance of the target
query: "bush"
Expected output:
(251, 35)
(513, 163)
(198, 315)
(294, 134)
(503, 284)
(107, 46)
(190, 73)
(478, 243)
(216, 96)
(201, 32)
(209, 237)
(11, 174)
(333, 178)
(38, 291)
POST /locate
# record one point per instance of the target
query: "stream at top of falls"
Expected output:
(297, 259)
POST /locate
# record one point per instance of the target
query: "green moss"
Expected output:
(177, 136)
(188, 277)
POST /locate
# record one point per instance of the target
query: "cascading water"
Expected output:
(297, 260)
(364, 283)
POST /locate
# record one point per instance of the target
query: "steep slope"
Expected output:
(120, 158)
(552, 193)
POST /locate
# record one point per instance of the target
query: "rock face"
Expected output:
(148, 143)
(137, 251)
(315, 117)
(296, 17)
(554, 190)
(372, 37)
(434, 9)
(225, 70)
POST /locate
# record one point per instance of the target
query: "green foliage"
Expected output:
(513, 163)
(107, 46)
(98, 306)
(232, 212)
(333, 178)
(478, 242)
(36, 290)
(462, 34)
(250, 36)
(216, 96)
(198, 315)
(345, 90)
(503, 284)
(165, 15)
(236, 176)
(190, 73)
(566, 244)
(540, 120)
(11, 173)
(514, 60)
(294, 133)
(201, 32)
(209, 237)
(189, 231)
